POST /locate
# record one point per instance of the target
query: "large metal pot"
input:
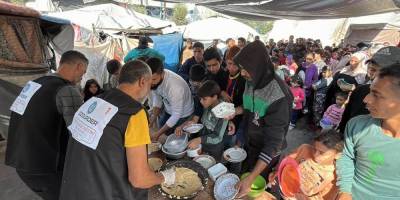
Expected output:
(190, 164)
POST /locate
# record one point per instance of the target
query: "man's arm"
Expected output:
(68, 100)
(177, 106)
(156, 107)
(137, 135)
(345, 164)
(276, 123)
(139, 172)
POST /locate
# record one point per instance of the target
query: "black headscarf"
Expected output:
(87, 94)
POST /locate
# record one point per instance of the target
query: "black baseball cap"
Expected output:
(386, 56)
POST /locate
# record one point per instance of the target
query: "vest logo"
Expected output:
(26, 88)
(92, 107)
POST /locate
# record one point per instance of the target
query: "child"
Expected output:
(113, 68)
(197, 74)
(92, 88)
(291, 64)
(317, 167)
(212, 135)
(311, 76)
(320, 88)
(333, 114)
(298, 94)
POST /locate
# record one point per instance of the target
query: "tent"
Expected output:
(374, 33)
(218, 28)
(111, 18)
(374, 28)
(170, 46)
(325, 30)
(101, 33)
(296, 9)
(333, 30)
(27, 43)
(43, 6)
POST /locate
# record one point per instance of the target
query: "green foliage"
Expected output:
(139, 8)
(262, 27)
(19, 2)
(179, 14)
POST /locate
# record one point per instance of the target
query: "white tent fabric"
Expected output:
(42, 5)
(218, 28)
(106, 17)
(297, 9)
(110, 16)
(316, 29)
(328, 30)
(379, 33)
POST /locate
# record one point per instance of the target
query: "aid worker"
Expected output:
(107, 154)
(38, 134)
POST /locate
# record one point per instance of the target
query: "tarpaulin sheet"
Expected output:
(297, 9)
(218, 28)
(98, 55)
(170, 46)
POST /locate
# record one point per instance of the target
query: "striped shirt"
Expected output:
(334, 114)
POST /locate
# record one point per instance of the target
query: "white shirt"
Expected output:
(175, 94)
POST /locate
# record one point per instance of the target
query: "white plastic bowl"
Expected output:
(194, 152)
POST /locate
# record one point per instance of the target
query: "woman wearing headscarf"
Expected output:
(91, 89)
(349, 77)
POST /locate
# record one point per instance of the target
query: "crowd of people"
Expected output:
(348, 95)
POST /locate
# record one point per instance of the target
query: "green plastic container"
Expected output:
(257, 187)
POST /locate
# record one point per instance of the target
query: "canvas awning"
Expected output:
(296, 9)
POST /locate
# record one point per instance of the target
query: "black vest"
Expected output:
(102, 173)
(37, 141)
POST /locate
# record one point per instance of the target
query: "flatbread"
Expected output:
(187, 182)
(155, 163)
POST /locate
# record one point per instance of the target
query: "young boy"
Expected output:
(113, 68)
(212, 135)
(197, 75)
(317, 167)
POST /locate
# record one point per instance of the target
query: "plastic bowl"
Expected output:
(176, 144)
(257, 187)
(191, 153)
(173, 156)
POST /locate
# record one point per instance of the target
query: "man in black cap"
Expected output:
(143, 51)
(384, 57)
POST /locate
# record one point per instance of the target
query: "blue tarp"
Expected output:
(170, 46)
(55, 20)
